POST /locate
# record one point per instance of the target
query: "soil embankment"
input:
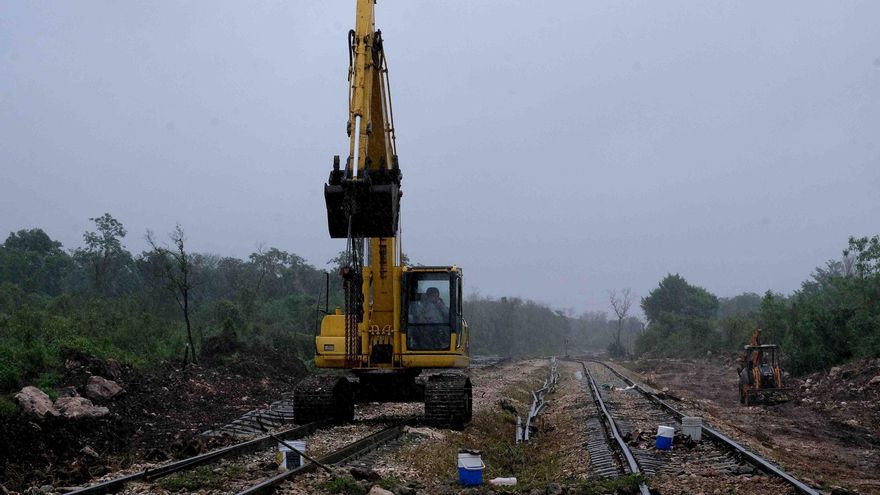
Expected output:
(158, 416)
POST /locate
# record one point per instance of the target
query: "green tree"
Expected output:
(745, 304)
(676, 296)
(680, 319)
(104, 256)
(35, 262)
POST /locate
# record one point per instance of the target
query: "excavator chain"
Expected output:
(320, 397)
(448, 402)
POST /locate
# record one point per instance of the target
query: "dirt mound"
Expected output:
(218, 346)
(849, 394)
(161, 413)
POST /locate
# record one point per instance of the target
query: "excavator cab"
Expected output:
(432, 328)
(432, 316)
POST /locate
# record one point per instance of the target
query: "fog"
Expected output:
(553, 150)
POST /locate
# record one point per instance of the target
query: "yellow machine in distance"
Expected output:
(398, 320)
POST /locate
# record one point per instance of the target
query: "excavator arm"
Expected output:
(363, 197)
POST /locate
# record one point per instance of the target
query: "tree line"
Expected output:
(832, 318)
(162, 304)
(171, 302)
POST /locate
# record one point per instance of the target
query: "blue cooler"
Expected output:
(470, 468)
(664, 437)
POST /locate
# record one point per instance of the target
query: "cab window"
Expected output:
(428, 312)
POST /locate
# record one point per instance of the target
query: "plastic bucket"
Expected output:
(287, 458)
(664, 437)
(470, 469)
(692, 426)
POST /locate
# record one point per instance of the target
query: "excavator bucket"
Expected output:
(369, 203)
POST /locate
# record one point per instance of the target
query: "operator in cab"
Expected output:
(433, 309)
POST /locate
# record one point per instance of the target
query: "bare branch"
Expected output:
(620, 303)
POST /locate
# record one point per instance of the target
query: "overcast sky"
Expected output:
(554, 150)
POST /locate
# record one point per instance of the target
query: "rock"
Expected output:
(100, 388)
(553, 489)
(157, 455)
(874, 381)
(35, 402)
(403, 490)
(79, 408)
(360, 473)
(425, 432)
(46, 489)
(67, 392)
(742, 469)
(89, 451)
(834, 371)
(507, 405)
(113, 369)
(378, 490)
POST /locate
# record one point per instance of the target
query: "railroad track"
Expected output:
(145, 480)
(621, 441)
(153, 473)
(338, 457)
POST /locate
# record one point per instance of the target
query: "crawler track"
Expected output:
(630, 415)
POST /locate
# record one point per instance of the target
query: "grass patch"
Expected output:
(346, 485)
(47, 382)
(7, 407)
(205, 477)
(492, 432)
(623, 485)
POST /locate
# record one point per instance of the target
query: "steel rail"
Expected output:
(191, 462)
(346, 453)
(523, 429)
(630, 459)
(751, 457)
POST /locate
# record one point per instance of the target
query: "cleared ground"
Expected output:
(827, 434)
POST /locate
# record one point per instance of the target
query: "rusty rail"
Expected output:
(348, 452)
(615, 433)
(191, 462)
(523, 428)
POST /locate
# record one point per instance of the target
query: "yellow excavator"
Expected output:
(401, 335)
